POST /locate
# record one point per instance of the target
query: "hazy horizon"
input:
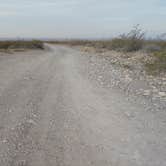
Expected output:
(64, 19)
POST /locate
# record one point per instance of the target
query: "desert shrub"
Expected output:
(132, 41)
(37, 44)
(135, 39)
(118, 44)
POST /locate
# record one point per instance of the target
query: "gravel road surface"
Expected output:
(53, 114)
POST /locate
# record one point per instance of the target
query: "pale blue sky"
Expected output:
(79, 18)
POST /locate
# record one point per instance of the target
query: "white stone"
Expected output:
(31, 121)
(146, 92)
(4, 141)
(162, 94)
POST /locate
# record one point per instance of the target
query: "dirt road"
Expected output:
(51, 114)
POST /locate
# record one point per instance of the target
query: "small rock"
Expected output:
(128, 78)
(4, 141)
(100, 77)
(146, 92)
(31, 121)
(10, 110)
(162, 94)
(34, 115)
(26, 78)
(128, 114)
(137, 156)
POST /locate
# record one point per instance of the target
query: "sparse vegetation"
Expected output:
(34, 44)
(158, 65)
(158, 51)
(131, 42)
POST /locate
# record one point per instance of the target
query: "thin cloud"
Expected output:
(80, 18)
(8, 13)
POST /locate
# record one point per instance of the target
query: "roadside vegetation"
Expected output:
(21, 44)
(157, 49)
(133, 41)
(157, 65)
